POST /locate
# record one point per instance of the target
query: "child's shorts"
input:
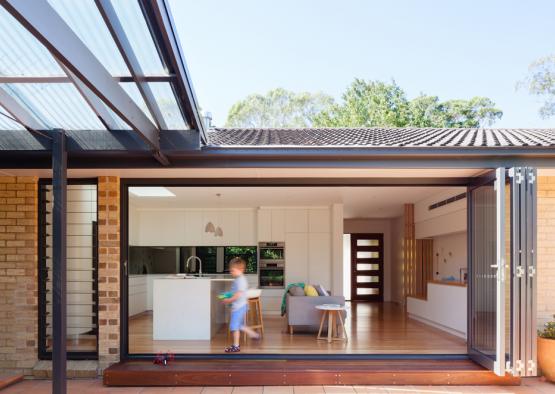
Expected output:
(237, 319)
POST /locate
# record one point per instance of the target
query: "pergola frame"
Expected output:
(100, 91)
(50, 29)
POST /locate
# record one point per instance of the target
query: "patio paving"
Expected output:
(85, 386)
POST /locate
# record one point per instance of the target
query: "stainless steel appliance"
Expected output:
(271, 263)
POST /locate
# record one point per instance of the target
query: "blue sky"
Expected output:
(448, 48)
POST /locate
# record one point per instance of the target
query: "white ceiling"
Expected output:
(359, 202)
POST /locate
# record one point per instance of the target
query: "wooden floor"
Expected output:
(373, 328)
(296, 372)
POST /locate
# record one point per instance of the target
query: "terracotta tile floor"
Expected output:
(532, 386)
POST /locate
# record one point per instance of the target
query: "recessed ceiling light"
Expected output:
(151, 191)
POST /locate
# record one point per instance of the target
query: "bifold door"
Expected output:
(502, 261)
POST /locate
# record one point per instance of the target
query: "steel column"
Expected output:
(59, 222)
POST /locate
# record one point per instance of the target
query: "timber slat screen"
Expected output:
(424, 266)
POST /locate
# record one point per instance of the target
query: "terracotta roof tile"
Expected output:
(381, 137)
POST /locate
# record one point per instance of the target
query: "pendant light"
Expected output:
(209, 228)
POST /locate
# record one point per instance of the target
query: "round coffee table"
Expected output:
(333, 311)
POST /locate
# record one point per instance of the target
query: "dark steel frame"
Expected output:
(43, 354)
(125, 183)
(59, 284)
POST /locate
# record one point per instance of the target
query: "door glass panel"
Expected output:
(368, 267)
(367, 291)
(368, 242)
(368, 255)
(367, 279)
(484, 301)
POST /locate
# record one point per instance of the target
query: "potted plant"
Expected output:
(546, 350)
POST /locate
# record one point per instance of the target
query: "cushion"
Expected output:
(296, 291)
(310, 291)
(321, 291)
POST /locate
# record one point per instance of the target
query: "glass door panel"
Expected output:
(486, 342)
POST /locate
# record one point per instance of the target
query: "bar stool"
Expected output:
(255, 312)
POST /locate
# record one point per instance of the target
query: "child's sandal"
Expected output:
(233, 349)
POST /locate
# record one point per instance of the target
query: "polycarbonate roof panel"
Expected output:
(85, 20)
(6, 122)
(133, 22)
(164, 96)
(56, 105)
(133, 91)
(21, 54)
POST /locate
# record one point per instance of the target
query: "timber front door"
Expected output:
(367, 267)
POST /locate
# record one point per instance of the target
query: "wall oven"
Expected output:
(271, 263)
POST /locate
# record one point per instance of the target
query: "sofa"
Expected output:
(302, 314)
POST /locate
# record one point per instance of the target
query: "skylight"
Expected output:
(151, 191)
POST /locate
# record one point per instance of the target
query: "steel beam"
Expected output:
(122, 42)
(20, 113)
(65, 79)
(159, 19)
(94, 102)
(49, 28)
(59, 283)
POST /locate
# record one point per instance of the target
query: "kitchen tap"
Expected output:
(193, 257)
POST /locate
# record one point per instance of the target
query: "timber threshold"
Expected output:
(302, 372)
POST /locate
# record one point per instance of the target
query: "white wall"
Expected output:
(450, 255)
(353, 226)
(447, 219)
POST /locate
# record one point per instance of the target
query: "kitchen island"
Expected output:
(188, 308)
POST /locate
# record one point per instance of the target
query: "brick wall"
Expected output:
(108, 270)
(546, 248)
(18, 273)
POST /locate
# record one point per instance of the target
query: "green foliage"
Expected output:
(380, 104)
(541, 82)
(247, 253)
(278, 108)
(548, 330)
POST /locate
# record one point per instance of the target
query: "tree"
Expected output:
(541, 82)
(380, 104)
(278, 108)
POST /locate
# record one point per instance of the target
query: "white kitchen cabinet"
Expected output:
(247, 228)
(296, 220)
(161, 228)
(319, 220)
(137, 294)
(194, 228)
(319, 259)
(264, 225)
(278, 225)
(296, 258)
(229, 222)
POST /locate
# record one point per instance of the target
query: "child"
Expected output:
(239, 304)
